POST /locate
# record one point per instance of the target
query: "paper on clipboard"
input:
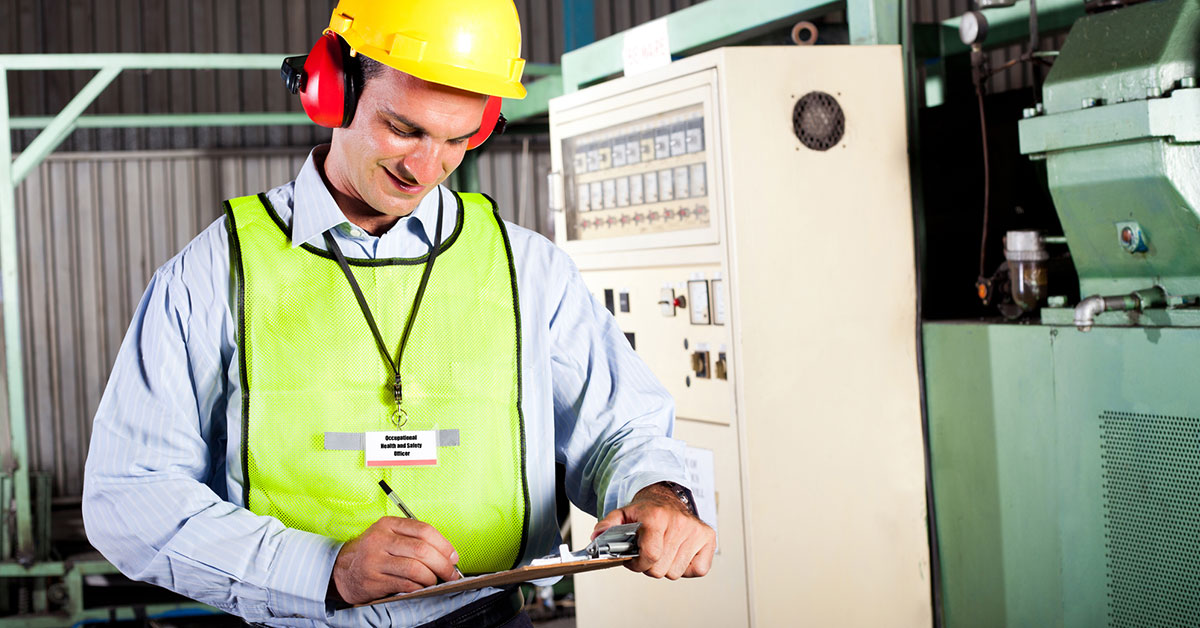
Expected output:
(615, 546)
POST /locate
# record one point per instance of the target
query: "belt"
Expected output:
(493, 610)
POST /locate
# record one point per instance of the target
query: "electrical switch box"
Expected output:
(698, 186)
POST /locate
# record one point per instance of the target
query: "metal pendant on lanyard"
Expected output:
(399, 416)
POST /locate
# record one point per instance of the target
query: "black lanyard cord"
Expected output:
(333, 247)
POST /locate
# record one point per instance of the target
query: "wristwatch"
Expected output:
(685, 495)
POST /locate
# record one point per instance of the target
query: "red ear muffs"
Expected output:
(491, 115)
(323, 90)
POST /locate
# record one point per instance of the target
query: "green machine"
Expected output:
(1065, 453)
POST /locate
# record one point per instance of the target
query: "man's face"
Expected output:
(406, 137)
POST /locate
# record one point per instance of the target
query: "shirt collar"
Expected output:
(314, 211)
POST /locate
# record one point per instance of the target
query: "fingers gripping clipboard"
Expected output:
(615, 546)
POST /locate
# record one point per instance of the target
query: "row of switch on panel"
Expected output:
(699, 212)
(637, 189)
(634, 145)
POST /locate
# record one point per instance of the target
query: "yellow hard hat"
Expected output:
(469, 44)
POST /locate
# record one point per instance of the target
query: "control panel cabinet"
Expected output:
(745, 214)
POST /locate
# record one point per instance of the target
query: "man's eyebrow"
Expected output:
(416, 128)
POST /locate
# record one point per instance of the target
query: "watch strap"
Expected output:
(685, 495)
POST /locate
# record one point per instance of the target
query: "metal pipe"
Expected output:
(14, 368)
(1140, 300)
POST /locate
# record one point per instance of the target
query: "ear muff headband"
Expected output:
(329, 84)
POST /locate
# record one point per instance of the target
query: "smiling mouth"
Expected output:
(402, 185)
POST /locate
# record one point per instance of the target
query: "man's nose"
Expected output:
(425, 163)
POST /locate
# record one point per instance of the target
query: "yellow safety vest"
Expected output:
(309, 365)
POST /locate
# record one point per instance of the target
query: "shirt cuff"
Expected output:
(634, 483)
(299, 579)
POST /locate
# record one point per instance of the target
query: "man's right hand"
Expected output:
(394, 555)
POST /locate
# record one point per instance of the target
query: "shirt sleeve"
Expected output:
(154, 499)
(613, 419)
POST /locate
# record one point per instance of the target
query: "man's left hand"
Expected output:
(671, 542)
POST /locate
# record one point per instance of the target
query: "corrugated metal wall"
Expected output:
(93, 227)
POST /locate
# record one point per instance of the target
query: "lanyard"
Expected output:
(399, 416)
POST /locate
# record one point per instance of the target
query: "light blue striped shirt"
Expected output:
(162, 492)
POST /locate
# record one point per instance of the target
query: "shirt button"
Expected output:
(355, 233)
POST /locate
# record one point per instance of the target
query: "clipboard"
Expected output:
(615, 546)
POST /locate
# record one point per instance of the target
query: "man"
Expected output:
(219, 464)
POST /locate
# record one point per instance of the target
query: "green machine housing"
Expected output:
(1066, 463)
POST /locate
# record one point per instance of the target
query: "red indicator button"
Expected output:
(1127, 235)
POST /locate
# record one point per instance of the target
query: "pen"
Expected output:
(387, 490)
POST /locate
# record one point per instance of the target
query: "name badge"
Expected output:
(401, 448)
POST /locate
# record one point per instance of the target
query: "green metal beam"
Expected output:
(542, 69)
(14, 366)
(537, 101)
(57, 568)
(1174, 117)
(156, 120)
(62, 125)
(874, 22)
(140, 61)
(704, 25)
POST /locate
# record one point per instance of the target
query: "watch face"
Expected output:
(685, 495)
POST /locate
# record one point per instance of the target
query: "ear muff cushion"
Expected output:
(491, 113)
(324, 93)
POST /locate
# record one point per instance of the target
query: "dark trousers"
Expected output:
(501, 610)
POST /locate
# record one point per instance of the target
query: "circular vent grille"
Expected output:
(818, 121)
